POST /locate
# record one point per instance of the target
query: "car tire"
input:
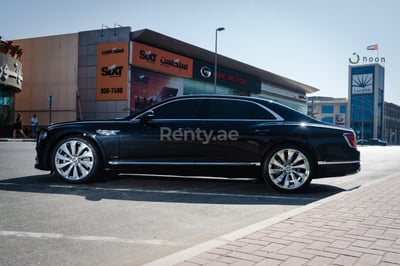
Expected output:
(287, 169)
(75, 160)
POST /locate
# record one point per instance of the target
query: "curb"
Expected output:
(17, 140)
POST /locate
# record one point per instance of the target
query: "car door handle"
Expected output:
(262, 131)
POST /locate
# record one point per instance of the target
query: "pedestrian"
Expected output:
(34, 124)
(17, 126)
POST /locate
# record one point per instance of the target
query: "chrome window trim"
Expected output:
(338, 162)
(216, 120)
(277, 116)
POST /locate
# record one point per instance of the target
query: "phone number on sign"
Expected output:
(111, 90)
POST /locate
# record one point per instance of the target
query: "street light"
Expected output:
(215, 62)
(50, 99)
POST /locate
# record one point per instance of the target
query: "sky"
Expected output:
(309, 41)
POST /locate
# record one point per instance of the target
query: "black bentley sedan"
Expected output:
(212, 135)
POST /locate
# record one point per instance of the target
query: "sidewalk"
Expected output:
(359, 227)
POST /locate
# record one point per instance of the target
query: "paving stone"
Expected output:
(369, 259)
(250, 248)
(344, 260)
(318, 261)
(269, 262)
(294, 262)
(392, 257)
(245, 256)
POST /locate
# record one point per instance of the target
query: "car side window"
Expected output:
(179, 109)
(235, 109)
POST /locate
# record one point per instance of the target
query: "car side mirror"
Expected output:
(146, 117)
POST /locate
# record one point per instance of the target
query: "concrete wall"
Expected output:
(50, 68)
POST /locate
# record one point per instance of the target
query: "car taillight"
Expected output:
(351, 139)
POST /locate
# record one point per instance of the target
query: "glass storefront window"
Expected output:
(362, 119)
(343, 108)
(6, 106)
(327, 109)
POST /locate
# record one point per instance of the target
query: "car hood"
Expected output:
(83, 122)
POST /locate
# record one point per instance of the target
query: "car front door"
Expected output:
(164, 134)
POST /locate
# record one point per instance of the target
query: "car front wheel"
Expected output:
(75, 160)
(287, 169)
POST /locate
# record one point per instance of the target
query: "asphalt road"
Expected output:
(132, 220)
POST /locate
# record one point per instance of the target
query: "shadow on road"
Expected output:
(170, 189)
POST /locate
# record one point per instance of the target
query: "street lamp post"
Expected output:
(50, 99)
(215, 62)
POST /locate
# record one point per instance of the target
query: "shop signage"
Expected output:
(112, 71)
(10, 71)
(225, 77)
(340, 120)
(162, 61)
(356, 59)
(362, 80)
(362, 83)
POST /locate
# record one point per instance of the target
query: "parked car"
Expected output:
(377, 142)
(362, 142)
(230, 136)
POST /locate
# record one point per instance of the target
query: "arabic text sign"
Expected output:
(10, 71)
(163, 61)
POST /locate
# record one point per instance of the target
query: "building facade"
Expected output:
(328, 109)
(392, 123)
(113, 72)
(11, 79)
(50, 83)
(335, 110)
(366, 100)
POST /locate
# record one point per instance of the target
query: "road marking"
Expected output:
(155, 242)
(208, 194)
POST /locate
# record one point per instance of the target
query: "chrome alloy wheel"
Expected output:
(74, 160)
(289, 169)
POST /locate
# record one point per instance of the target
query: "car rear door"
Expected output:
(237, 130)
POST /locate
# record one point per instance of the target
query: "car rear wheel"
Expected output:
(287, 169)
(75, 160)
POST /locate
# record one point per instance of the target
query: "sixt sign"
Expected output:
(153, 58)
(225, 77)
(112, 71)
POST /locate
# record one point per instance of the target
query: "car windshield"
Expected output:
(137, 112)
